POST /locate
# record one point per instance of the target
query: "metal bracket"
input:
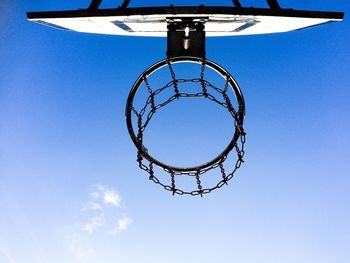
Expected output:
(125, 4)
(273, 4)
(236, 3)
(186, 38)
(95, 4)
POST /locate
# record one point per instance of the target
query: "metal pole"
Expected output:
(236, 3)
(95, 4)
(273, 4)
(125, 4)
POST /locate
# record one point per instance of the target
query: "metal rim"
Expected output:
(221, 71)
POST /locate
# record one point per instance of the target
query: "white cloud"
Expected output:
(91, 206)
(122, 225)
(101, 206)
(107, 195)
(94, 223)
(99, 214)
(111, 197)
(95, 195)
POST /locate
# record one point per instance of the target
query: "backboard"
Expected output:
(153, 21)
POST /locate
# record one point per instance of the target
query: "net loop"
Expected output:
(174, 79)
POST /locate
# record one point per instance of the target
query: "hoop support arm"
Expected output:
(273, 4)
(237, 3)
(125, 4)
(95, 4)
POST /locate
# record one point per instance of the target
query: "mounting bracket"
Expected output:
(185, 38)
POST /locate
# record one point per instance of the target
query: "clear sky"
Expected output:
(70, 188)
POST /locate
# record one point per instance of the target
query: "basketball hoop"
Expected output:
(145, 114)
(186, 28)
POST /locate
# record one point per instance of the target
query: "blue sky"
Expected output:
(71, 190)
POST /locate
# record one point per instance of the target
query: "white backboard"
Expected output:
(226, 21)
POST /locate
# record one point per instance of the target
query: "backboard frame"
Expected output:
(238, 20)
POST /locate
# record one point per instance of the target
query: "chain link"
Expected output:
(151, 97)
(173, 187)
(174, 79)
(203, 83)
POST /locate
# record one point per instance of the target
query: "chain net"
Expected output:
(144, 115)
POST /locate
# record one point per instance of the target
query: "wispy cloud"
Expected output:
(95, 195)
(109, 196)
(122, 225)
(103, 211)
(91, 206)
(95, 222)
(104, 203)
